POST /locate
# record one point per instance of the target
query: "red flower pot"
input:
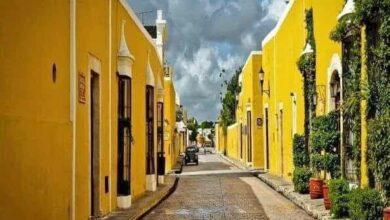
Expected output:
(315, 186)
(325, 191)
(386, 213)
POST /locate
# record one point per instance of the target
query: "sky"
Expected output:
(206, 36)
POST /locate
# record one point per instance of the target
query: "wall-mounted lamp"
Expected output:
(315, 99)
(261, 79)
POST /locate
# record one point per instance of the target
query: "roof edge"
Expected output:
(273, 32)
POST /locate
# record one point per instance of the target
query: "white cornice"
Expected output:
(255, 52)
(308, 49)
(349, 8)
(149, 74)
(279, 24)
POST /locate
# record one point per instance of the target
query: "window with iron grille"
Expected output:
(124, 135)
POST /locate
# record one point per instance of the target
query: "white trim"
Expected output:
(335, 65)
(94, 64)
(349, 8)
(279, 24)
(149, 74)
(252, 54)
(161, 179)
(280, 106)
(294, 113)
(140, 26)
(124, 202)
(151, 184)
(248, 106)
(109, 101)
(72, 89)
(125, 58)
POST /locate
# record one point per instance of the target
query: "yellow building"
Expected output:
(244, 141)
(79, 112)
(220, 139)
(171, 135)
(283, 95)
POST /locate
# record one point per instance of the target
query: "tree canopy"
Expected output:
(229, 102)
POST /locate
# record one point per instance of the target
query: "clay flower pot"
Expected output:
(325, 191)
(315, 186)
(386, 213)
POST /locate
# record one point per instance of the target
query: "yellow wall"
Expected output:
(36, 142)
(326, 48)
(281, 51)
(35, 128)
(250, 100)
(171, 151)
(220, 139)
(280, 54)
(232, 141)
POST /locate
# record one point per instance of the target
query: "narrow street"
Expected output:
(215, 189)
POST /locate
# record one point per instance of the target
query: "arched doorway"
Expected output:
(335, 91)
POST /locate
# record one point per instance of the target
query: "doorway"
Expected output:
(160, 139)
(124, 136)
(150, 130)
(249, 135)
(280, 131)
(241, 133)
(95, 142)
(266, 138)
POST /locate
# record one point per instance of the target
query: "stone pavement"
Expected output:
(315, 207)
(147, 201)
(223, 195)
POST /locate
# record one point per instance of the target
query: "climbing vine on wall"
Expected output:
(375, 16)
(347, 32)
(307, 66)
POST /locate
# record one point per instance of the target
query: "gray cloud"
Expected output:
(206, 36)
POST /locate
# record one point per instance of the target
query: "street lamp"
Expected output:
(261, 79)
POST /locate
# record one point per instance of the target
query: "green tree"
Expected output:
(207, 124)
(211, 137)
(229, 102)
(192, 126)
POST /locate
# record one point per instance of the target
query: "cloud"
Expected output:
(206, 36)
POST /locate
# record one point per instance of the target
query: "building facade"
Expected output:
(82, 94)
(281, 96)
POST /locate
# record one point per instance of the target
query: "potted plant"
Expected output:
(316, 182)
(324, 141)
(330, 161)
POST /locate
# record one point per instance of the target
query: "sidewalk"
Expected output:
(146, 202)
(314, 207)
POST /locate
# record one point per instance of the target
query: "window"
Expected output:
(124, 135)
(150, 130)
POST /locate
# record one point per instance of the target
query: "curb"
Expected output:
(158, 202)
(287, 191)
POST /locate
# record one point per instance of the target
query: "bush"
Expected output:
(301, 157)
(301, 177)
(365, 204)
(338, 194)
(317, 162)
(324, 142)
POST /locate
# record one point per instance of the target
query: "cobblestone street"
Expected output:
(217, 190)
